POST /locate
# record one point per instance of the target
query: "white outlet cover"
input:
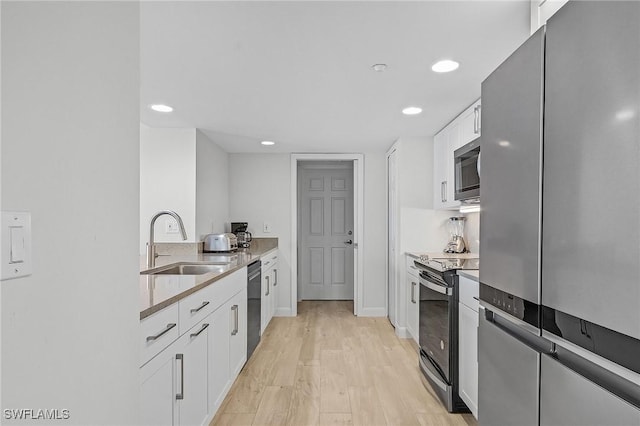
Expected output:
(15, 250)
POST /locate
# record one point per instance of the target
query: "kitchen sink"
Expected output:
(190, 269)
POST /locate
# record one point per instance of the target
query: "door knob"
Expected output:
(348, 242)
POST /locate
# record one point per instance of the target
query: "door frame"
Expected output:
(358, 224)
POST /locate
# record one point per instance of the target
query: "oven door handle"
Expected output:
(447, 291)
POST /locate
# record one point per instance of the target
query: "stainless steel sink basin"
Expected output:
(190, 269)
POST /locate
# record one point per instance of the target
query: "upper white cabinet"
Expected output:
(469, 125)
(541, 10)
(462, 130)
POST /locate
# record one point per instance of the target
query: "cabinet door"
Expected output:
(265, 305)
(192, 367)
(274, 289)
(469, 124)
(468, 356)
(412, 306)
(218, 368)
(440, 148)
(157, 390)
(237, 309)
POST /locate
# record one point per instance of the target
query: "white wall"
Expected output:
(212, 187)
(260, 190)
(167, 181)
(70, 156)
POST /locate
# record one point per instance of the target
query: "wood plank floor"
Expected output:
(328, 367)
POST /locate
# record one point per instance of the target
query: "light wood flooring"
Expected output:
(328, 367)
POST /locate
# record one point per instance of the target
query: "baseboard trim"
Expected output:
(372, 312)
(282, 312)
(403, 333)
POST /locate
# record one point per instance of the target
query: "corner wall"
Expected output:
(212, 187)
(70, 156)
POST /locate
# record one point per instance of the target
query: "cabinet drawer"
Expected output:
(269, 260)
(468, 290)
(411, 267)
(197, 306)
(158, 331)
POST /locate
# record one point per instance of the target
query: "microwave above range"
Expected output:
(466, 161)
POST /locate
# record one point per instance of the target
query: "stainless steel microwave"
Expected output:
(467, 170)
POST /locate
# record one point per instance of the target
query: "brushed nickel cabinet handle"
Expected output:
(234, 309)
(413, 292)
(181, 358)
(267, 278)
(275, 277)
(157, 336)
(204, 326)
(205, 303)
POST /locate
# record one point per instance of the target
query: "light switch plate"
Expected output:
(15, 250)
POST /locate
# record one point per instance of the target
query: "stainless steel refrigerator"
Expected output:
(559, 332)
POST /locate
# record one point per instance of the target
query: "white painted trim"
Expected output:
(373, 312)
(358, 219)
(403, 333)
(283, 312)
(394, 148)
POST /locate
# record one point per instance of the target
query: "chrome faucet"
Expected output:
(151, 251)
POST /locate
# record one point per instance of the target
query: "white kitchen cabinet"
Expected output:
(237, 309)
(185, 382)
(219, 351)
(413, 299)
(443, 183)
(174, 385)
(468, 342)
(469, 125)
(269, 281)
(462, 130)
(158, 405)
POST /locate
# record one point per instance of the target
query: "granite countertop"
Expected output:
(470, 273)
(159, 291)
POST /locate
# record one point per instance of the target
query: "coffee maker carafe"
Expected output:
(456, 242)
(240, 230)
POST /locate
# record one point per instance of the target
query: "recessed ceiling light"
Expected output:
(412, 110)
(445, 65)
(379, 67)
(267, 143)
(161, 108)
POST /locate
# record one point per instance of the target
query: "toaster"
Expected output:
(220, 242)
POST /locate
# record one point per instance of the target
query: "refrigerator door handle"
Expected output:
(519, 333)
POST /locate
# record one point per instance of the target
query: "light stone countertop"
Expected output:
(442, 255)
(470, 273)
(159, 291)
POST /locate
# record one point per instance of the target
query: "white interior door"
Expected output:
(326, 231)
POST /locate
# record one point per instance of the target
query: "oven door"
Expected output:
(436, 299)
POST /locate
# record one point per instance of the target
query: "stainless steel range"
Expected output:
(438, 328)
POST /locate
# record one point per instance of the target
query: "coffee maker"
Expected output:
(240, 231)
(456, 242)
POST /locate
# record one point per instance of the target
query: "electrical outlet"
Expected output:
(266, 227)
(171, 226)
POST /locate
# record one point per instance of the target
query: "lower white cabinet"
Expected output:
(269, 284)
(468, 343)
(174, 384)
(413, 299)
(186, 382)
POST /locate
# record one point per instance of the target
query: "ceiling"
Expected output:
(299, 72)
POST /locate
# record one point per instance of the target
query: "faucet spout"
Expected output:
(151, 256)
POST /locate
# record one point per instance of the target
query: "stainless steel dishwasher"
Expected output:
(254, 293)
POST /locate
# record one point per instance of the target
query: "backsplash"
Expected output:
(472, 232)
